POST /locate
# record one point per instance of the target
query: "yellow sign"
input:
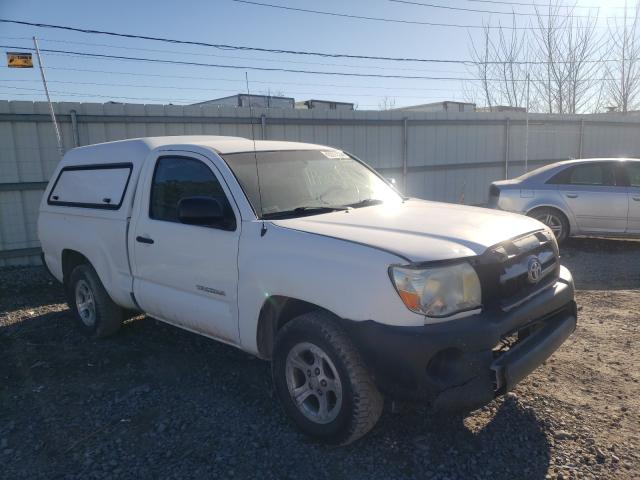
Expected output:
(19, 60)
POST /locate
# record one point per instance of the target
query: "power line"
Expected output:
(279, 51)
(392, 20)
(181, 87)
(279, 83)
(273, 69)
(252, 59)
(238, 67)
(22, 94)
(312, 72)
(363, 17)
(493, 12)
(75, 94)
(530, 4)
(225, 46)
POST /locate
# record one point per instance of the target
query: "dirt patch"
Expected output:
(155, 401)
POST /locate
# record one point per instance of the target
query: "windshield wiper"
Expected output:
(365, 203)
(302, 211)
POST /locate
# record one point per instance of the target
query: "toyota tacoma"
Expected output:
(304, 256)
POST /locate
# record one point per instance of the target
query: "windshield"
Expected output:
(304, 182)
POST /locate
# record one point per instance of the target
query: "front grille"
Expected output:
(504, 270)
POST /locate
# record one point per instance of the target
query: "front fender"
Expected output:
(349, 279)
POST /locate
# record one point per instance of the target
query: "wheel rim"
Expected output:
(85, 303)
(314, 383)
(553, 222)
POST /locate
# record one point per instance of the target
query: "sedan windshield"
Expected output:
(307, 182)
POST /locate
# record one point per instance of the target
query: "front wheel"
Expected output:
(322, 382)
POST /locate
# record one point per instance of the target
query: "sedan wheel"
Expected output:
(553, 219)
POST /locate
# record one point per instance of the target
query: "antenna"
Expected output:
(263, 229)
(46, 90)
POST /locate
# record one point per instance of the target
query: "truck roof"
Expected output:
(220, 144)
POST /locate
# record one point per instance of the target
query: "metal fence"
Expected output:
(439, 156)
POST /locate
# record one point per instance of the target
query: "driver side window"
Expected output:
(176, 178)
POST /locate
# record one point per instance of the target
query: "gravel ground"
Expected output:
(158, 402)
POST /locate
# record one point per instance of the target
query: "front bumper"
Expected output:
(463, 364)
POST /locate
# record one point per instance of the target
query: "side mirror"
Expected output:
(200, 211)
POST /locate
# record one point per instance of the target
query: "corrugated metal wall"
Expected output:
(440, 156)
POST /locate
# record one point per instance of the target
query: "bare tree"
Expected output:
(559, 57)
(586, 52)
(272, 93)
(511, 48)
(387, 103)
(498, 66)
(623, 73)
(568, 57)
(482, 57)
(471, 92)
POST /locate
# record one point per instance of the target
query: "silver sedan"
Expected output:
(598, 196)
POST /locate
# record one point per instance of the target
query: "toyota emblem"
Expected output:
(534, 270)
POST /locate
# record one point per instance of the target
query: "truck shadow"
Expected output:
(504, 440)
(602, 264)
(155, 401)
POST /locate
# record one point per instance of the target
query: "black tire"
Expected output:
(545, 213)
(108, 316)
(361, 403)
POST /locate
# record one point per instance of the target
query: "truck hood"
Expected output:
(419, 230)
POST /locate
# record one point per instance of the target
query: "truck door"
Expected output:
(185, 273)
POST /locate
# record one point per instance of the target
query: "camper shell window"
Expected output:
(91, 186)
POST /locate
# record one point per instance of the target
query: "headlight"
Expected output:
(439, 291)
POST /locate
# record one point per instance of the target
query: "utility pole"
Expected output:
(623, 89)
(46, 91)
(526, 135)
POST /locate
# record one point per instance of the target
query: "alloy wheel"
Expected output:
(553, 222)
(313, 383)
(85, 303)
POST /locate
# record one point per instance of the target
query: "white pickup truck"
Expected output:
(302, 255)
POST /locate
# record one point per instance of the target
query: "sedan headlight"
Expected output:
(439, 291)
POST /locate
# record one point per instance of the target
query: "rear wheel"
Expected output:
(322, 382)
(554, 219)
(96, 314)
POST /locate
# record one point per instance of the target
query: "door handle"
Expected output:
(572, 195)
(637, 199)
(144, 240)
